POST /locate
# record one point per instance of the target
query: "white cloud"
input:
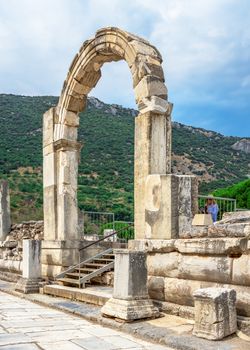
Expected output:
(205, 45)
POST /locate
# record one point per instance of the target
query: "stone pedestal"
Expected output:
(130, 299)
(5, 222)
(215, 313)
(29, 282)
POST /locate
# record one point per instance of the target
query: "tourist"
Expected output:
(212, 208)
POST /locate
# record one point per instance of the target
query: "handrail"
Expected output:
(103, 238)
(217, 198)
(95, 242)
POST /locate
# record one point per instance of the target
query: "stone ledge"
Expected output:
(153, 245)
(199, 246)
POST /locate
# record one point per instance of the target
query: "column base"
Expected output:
(28, 285)
(130, 310)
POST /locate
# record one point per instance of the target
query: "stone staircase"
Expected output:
(82, 273)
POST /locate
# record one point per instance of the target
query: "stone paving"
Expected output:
(27, 326)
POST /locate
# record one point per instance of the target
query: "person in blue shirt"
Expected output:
(212, 208)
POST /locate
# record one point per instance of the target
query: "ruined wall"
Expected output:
(11, 249)
(220, 258)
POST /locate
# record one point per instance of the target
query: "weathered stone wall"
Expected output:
(178, 267)
(11, 249)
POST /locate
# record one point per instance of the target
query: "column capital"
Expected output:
(67, 145)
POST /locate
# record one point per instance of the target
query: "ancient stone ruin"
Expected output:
(180, 257)
(164, 202)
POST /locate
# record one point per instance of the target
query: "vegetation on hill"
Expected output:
(239, 191)
(106, 167)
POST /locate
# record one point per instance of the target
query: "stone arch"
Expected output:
(60, 145)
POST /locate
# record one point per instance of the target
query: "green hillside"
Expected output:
(239, 191)
(106, 168)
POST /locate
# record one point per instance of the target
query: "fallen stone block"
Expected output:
(215, 313)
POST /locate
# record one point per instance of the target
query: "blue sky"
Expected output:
(205, 45)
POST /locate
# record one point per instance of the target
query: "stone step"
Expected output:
(85, 269)
(75, 274)
(94, 264)
(104, 260)
(97, 295)
(69, 280)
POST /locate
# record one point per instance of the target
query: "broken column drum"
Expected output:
(152, 146)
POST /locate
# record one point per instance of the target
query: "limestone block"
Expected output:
(151, 135)
(68, 170)
(48, 126)
(130, 310)
(152, 245)
(150, 86)
(143, 48)
(168, 209)
(202, 220)
(156, 287)
(51, 270)
(129, 286)
(165, 265)
(196, 232)
(180, 291)
(48, 149)
(130, 299)
(145, 66)
(117, 51)
(88, 76)
(129, 55)
(31, 258)
(78, 88)
(215, 313)
(5, 222)
(194, 195)
(153, 104)
(229, 230)
(236, 216)
(184, 205)
(68, 132)
(49, 170)
(67, 215)
(75, 104)
(50, 212)
(211, 246)
(158, 208)
(158, 146)
(205, 268)
(11, 265)
(59, 257)
(70, 118)
(58, 254)
(241, 270)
